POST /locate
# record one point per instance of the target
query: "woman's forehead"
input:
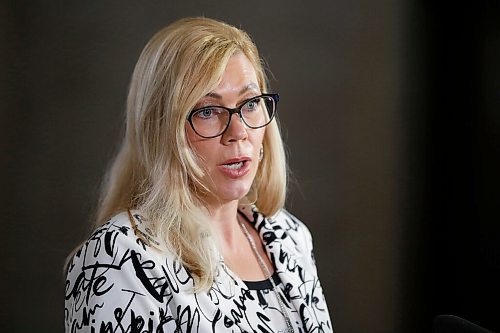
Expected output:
(238, 77)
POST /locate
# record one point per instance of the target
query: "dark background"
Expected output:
(391, 116)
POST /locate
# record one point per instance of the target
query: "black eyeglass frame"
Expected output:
(232, 111)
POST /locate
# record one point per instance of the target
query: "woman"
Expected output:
(192, 235)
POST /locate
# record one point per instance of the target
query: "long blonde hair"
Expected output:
(155, 170)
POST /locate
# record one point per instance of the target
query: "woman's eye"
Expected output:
(205, 113)
(252, 104)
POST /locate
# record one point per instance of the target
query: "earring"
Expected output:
(261, 153)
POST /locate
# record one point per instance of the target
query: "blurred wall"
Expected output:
(354, 126)
(460, 140)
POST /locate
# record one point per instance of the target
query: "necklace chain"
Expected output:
(267, 273)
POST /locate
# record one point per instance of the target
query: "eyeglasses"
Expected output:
(212, 121)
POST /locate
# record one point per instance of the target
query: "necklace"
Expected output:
(265, 270)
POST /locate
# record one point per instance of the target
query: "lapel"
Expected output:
(286, 247)
(280, 238)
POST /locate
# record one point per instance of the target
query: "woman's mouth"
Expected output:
(235, 168)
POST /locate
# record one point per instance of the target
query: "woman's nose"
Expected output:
(237, 129)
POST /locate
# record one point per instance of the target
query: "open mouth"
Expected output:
(235, 165)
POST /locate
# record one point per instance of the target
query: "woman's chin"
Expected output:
(230, 194)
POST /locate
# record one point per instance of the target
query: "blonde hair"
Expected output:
(155, 170)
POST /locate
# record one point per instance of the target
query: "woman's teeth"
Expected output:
(234, 166)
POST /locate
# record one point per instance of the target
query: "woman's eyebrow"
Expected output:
(250, 86)
(213, 95)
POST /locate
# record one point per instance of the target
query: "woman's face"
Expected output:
(230, 160)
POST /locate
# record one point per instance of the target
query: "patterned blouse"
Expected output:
(118, 281)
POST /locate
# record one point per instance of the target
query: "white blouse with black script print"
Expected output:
(118, 281)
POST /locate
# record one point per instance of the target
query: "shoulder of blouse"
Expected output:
(294, 227)
(298, 237)
(122, 235)
(115, 235)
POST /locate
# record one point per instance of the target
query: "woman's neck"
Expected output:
(224, 221)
